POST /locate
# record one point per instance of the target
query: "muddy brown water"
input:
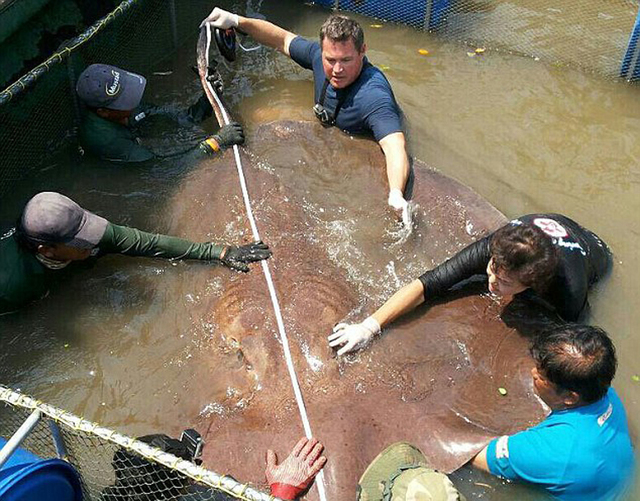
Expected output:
(126, 343)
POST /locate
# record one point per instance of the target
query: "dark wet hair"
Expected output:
(339, 28)
(579, 358)
(527, 253)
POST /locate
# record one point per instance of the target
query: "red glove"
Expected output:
(291, 478)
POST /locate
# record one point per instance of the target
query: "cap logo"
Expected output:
(114, 88)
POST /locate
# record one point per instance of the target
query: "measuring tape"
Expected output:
(267, 274)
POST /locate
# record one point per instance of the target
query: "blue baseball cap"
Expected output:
(105, 86)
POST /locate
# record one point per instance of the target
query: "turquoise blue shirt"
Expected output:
(581, 454)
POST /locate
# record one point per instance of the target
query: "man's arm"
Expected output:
(395, 153)
(403, 301)
(480, 461)
(133, 242)
(261, 31)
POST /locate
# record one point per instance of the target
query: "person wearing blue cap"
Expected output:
(114, 114)
(53, 232)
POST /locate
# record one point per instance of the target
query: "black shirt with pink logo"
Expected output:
(583, 259)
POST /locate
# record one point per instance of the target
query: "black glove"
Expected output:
(215, 80)
(200, 110)
(237, 257)
(228, 135)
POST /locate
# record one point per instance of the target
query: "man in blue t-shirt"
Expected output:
(350, 92)
(582, 451)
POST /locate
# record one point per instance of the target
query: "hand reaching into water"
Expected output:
(291, 478)
(353, 336)
(403, 208)
(237, 258)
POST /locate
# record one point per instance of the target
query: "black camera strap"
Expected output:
(342, 96)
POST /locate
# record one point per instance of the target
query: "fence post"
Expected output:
(71, 75)
(630, 68)
(18, 437)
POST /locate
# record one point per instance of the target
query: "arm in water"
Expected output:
(292, 477)
(395, 154)
(355, 336)
(225, 138)
(261, 31)
(133, 242)
(471, 260)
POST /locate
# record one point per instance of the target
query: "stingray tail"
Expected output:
(208, 74)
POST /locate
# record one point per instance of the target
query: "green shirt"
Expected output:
(111, 141)
(119, 143)
(24, 279)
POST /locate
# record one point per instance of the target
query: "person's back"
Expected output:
(580, 454)
(582, 450)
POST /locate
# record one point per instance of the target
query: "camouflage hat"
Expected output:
(401, 473)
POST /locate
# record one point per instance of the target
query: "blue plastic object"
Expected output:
(26, 477)
(20, 456)
(413, 12)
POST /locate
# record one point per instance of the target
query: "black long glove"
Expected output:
(237, 258)
(227, 136)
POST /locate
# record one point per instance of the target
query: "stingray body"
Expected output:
(432, 379)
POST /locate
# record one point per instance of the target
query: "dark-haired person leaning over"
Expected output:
(582, 451)
(547, 255)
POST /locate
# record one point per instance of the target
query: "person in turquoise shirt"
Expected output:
(582, 451)
(54, 233)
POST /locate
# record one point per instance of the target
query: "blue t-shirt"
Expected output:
(369, 106)
(581, 454)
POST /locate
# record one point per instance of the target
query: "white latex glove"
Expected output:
(353, 336)
(397, 201)
(221, 19)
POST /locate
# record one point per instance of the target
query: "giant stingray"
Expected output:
(433, 377)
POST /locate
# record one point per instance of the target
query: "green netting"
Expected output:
(114, 467)
(588, 34)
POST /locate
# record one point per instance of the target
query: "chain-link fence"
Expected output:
(592, 35)
(114, 467)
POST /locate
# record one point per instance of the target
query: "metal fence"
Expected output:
(595, 36)
(113, 466)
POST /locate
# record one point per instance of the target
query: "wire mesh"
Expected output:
(114, 467)
(587, 34)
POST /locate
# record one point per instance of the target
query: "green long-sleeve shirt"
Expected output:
(120, 143)
(23, 278)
